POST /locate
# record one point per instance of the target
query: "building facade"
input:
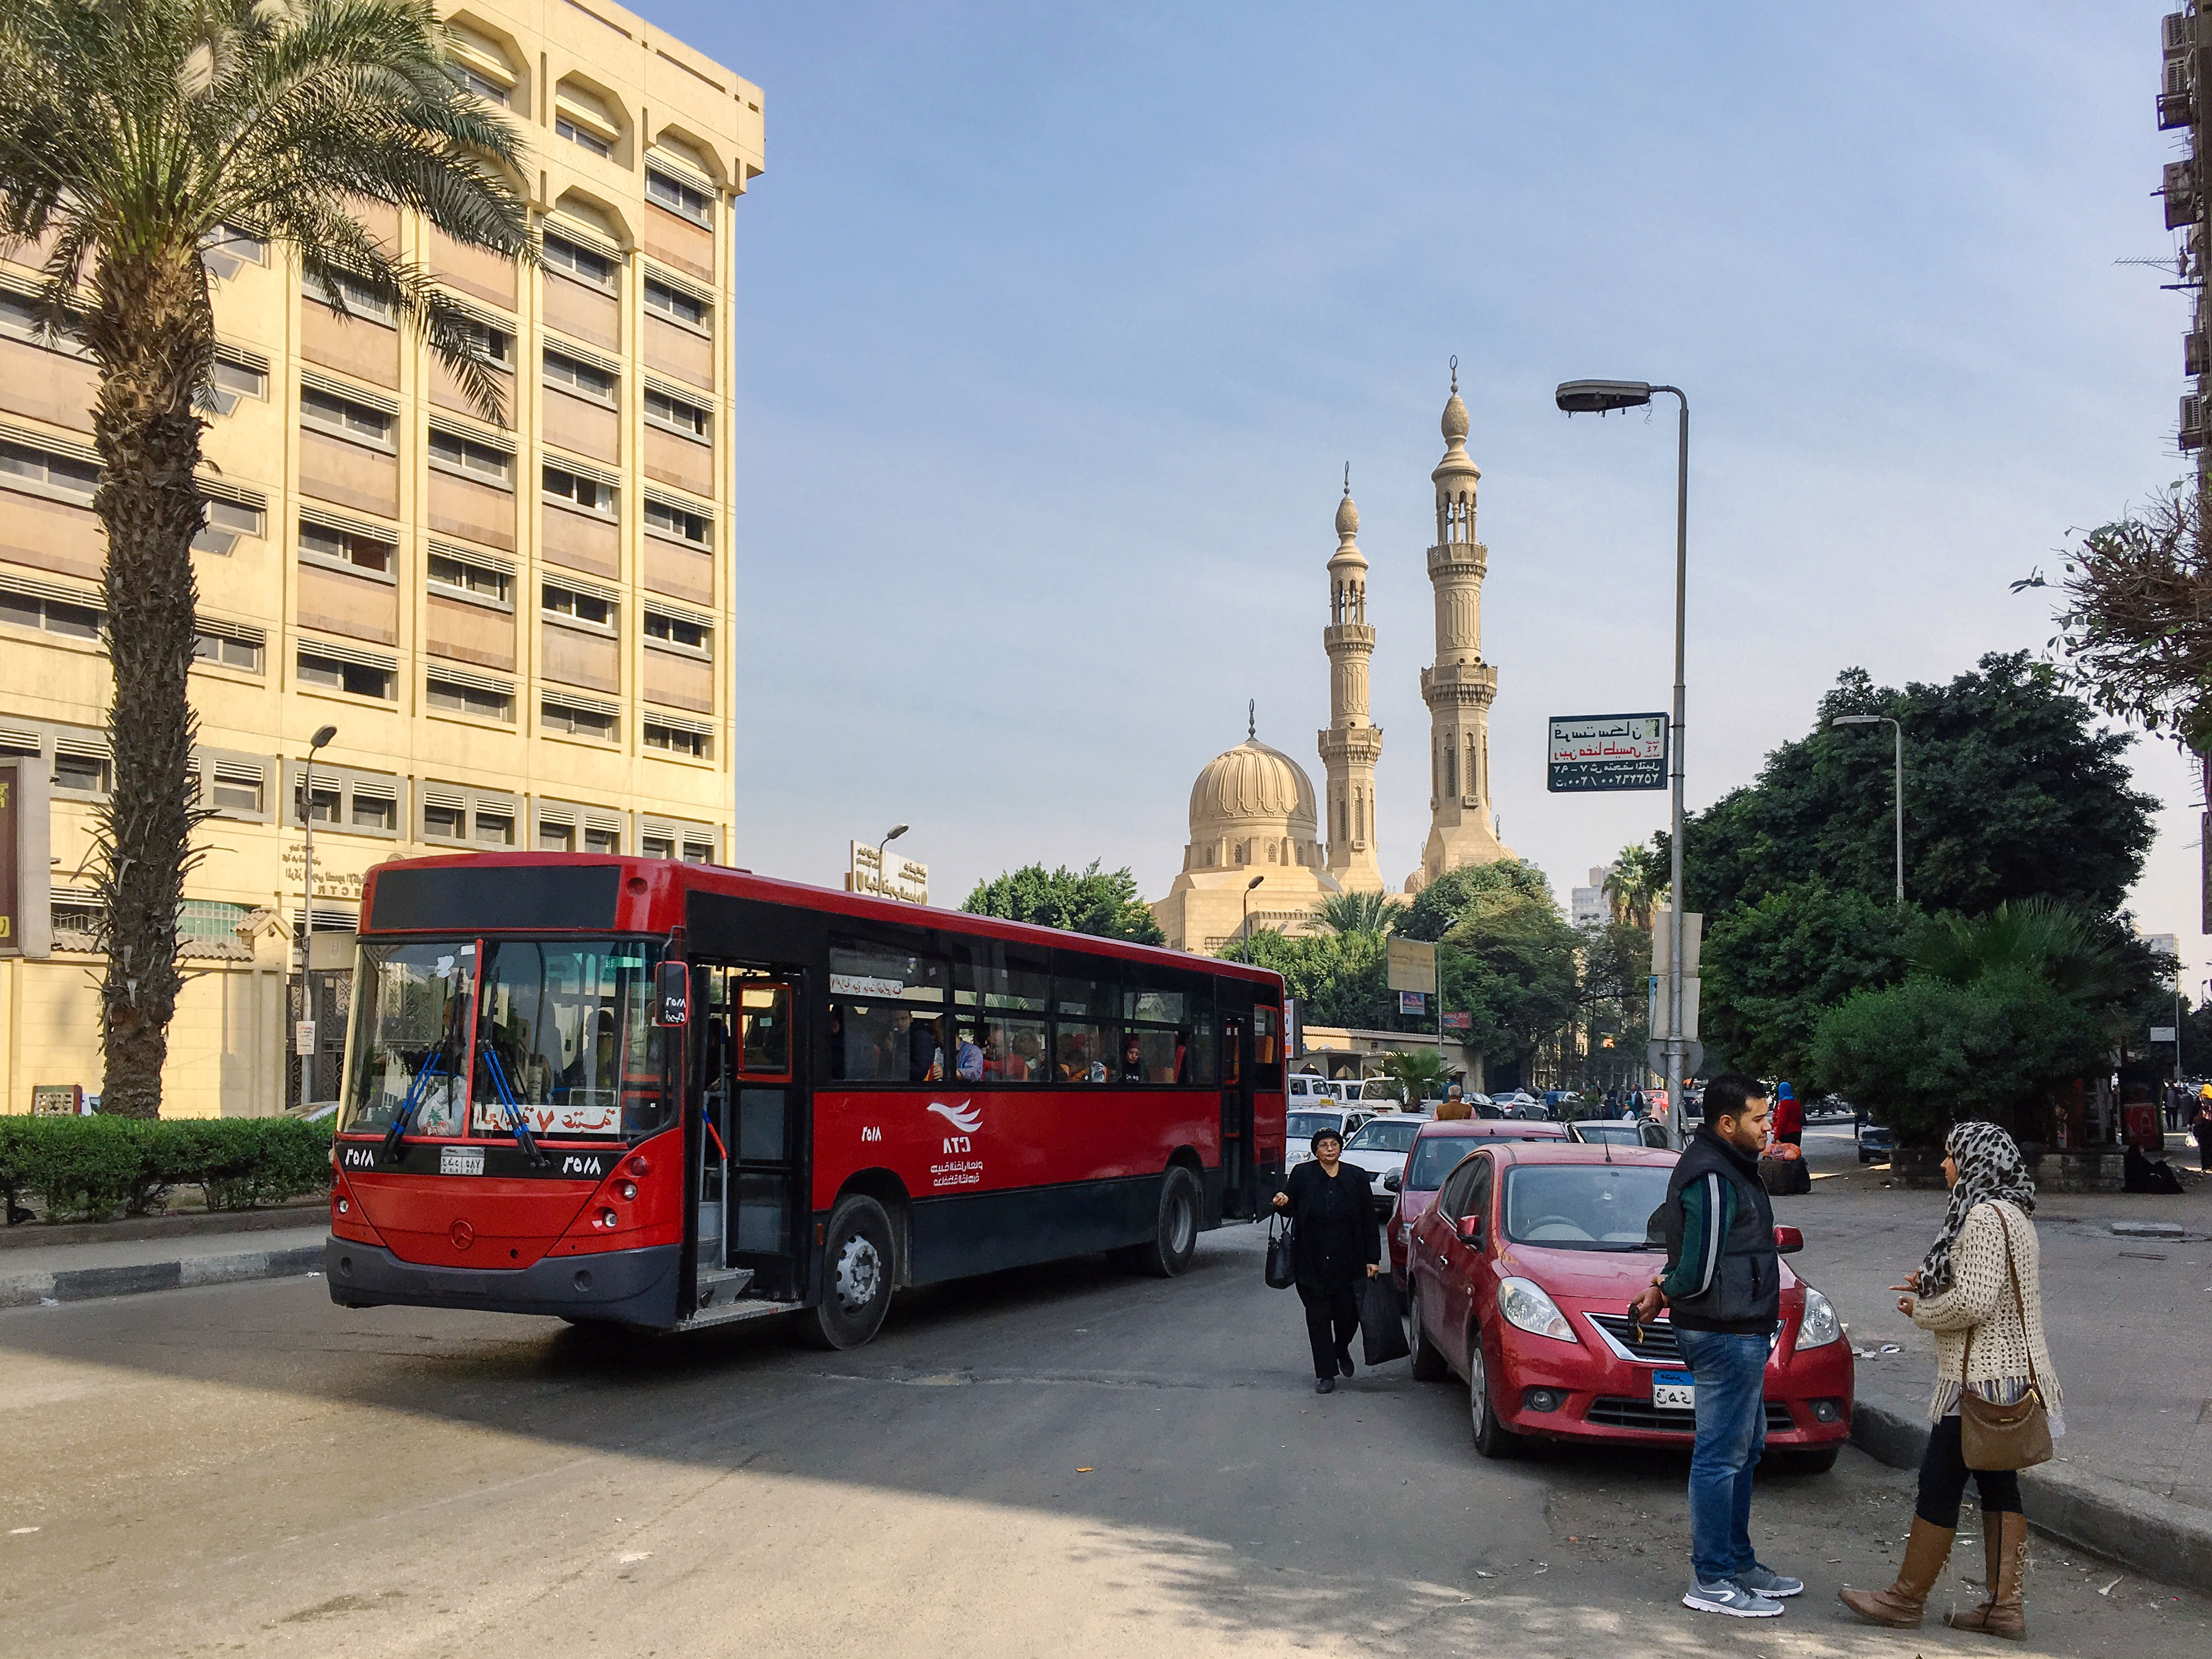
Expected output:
(1459, 687)
(1353, 743)
(522, 633)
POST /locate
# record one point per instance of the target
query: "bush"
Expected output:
(86, 1169)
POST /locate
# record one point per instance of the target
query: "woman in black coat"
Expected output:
(1335, 1245)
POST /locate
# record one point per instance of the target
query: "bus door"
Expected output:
(752, 1156)
(1238, 1195)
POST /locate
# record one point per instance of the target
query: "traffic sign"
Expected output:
(1693, 1056)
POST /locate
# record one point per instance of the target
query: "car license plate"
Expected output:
(1674, 1391)
(461, 1160)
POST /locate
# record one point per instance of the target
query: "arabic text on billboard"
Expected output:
(1606, 751)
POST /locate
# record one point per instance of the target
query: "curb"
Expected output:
(2135, 1527)
(85, 1284)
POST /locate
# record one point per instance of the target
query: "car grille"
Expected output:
(1657, 1344)
(1616, 1413)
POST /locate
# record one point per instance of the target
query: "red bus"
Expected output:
(669, 1095)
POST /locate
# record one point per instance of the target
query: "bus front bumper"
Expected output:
(623, 1287)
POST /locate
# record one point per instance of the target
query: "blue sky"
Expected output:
(1057, 325)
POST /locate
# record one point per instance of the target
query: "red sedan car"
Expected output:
(1435, 1151)
(1521, 1273)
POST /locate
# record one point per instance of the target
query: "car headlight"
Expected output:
(1526, 1305)
(1820, 1325)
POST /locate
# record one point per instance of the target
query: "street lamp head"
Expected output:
(323, 738)
(1601, 397)
(1254, 882)
(894, 833)
(1857, 719)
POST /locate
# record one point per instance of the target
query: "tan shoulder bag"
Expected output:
(2014, 1437)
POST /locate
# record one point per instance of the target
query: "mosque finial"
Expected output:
(1455, 371)
(1252, 719)
(1347, 480)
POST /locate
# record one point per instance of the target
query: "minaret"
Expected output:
(1353, 743)
(1458, 689)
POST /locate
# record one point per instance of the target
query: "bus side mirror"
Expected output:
(672, 994)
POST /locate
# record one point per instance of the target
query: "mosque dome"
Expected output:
(1252, 782)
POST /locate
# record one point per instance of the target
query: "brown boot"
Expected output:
(2004, 1539)
(1899, 1606)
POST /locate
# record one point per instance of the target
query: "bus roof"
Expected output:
(649, 896)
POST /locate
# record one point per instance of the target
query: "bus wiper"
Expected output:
(515, 1121)
(416, 1090)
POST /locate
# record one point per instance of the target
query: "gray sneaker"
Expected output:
(1731, 1599)
(1765, 1581)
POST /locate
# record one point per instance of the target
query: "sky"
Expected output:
(1057, 327)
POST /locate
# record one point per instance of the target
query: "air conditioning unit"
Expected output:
(2196, 360)
(2175, 109)
(2192, 422)
(2175, 31)
(2181, 192)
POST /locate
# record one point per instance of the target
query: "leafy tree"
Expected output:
(1636, 883)
(1441, 905)
(1086, 900)
(1358, 913)
(132, 133)
(1339, 979)
(1509, 962)
(1616, 968)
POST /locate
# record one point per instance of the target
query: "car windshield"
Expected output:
(1383, 1134)
(1618, 1134)
(1306, 1125)
(1583, 1206)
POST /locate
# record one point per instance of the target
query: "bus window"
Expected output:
(1082, 1051)
(565, 1037)
(1232, 1053)
(1159, 1052)
(886, 1015)
(411, 1007)
(765, 1027)
(1014, 1050)
(1201, 1053)
(1266, 1048)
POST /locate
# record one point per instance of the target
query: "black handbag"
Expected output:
(1382, 1321)
(1282, 1256)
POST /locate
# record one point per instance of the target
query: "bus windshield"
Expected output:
(467, 1037)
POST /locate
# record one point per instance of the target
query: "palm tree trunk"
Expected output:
(147, 334)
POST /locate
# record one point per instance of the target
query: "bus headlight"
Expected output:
(1819, 1326)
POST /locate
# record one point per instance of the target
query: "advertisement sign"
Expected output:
(887, 875)
(1459, 1022)
(303, 1037)
(1412, 964)
(1412, 1002)
(1593, 752)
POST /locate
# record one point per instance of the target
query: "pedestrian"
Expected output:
(1788, 1116)
(1723, 1282)
(1453, 1107)
(1334, 1245)
(1977, 1290)
(2201, 1127)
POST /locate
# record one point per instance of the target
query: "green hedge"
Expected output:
(88, 1169)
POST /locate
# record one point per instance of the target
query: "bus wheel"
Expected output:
(857, 1262)
(1175, 1238)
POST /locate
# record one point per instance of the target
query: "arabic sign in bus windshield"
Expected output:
(1590, 752)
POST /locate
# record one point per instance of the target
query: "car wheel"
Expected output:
(857, 1264)
(1175, 1239)
(1429, 1365)
(1492, 1437)
(1807, 1462)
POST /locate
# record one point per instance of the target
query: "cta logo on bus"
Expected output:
(963, 1117)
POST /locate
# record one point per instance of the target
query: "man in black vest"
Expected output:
(1723, 1284)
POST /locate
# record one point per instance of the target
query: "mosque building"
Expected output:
(1262, 853)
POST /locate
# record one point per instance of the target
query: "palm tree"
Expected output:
(133, 133)
(1358, 912)
(1635, 884)
(1419, 1073)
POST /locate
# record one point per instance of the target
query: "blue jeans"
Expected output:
(1731, 1374)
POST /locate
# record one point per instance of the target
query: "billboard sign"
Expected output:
(1412, 1002)
(1592, 752)
(1412, 965)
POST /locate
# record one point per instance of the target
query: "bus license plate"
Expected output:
(461, 1160)
(1674, 1391)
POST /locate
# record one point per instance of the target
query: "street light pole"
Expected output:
(323, 737)
(1884, 720)
(1244, 935)
(883, 857)
(1601, 397)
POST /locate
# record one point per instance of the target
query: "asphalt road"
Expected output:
(1052, 1461)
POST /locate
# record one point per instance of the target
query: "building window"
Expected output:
(380, 812)
(557, 838)
(443, 823)
(237, 242)
(455, 698)
(582, 135)
(574, 375)
(588, 609)
(676, 304)
(228, 650)
(325, 798)
(675, 740)
(344, 418)
(322, 543)
(225, 522)
(476, 581)
(679, 631)
(360, 680)
(672, 193)
(495, 829)
(65, 477)
(87, 772)
(574, 259)
(608, 841)
(75, 622)
(677, 524)
(485, 87)
(589, 494)
(566, 718)
(359, 301)
(656, 847)
(456, 453)
(675, 414)
(240, 378)
(698, 852)
(496, 344)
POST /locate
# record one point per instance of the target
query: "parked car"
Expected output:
(1380, 1146)
(1522, 1272)
(1875, 1143)
(1437, 1148)
(1306, 1121)
(1305, 1088)
(1619, 1132)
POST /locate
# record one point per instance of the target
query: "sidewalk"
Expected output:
(2125, 1312)
(67, 1270)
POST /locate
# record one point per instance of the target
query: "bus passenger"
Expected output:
(968, 1059)
(1029, 1054)
(1133, 1058)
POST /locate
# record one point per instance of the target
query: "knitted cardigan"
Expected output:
(1980, 1301)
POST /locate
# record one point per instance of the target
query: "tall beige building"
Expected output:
(522, 633)
(1459, 686)
(1353, 743)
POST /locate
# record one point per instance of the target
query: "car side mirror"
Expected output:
(1788, 1241)
(1470, 1230)
(1392, 1182)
